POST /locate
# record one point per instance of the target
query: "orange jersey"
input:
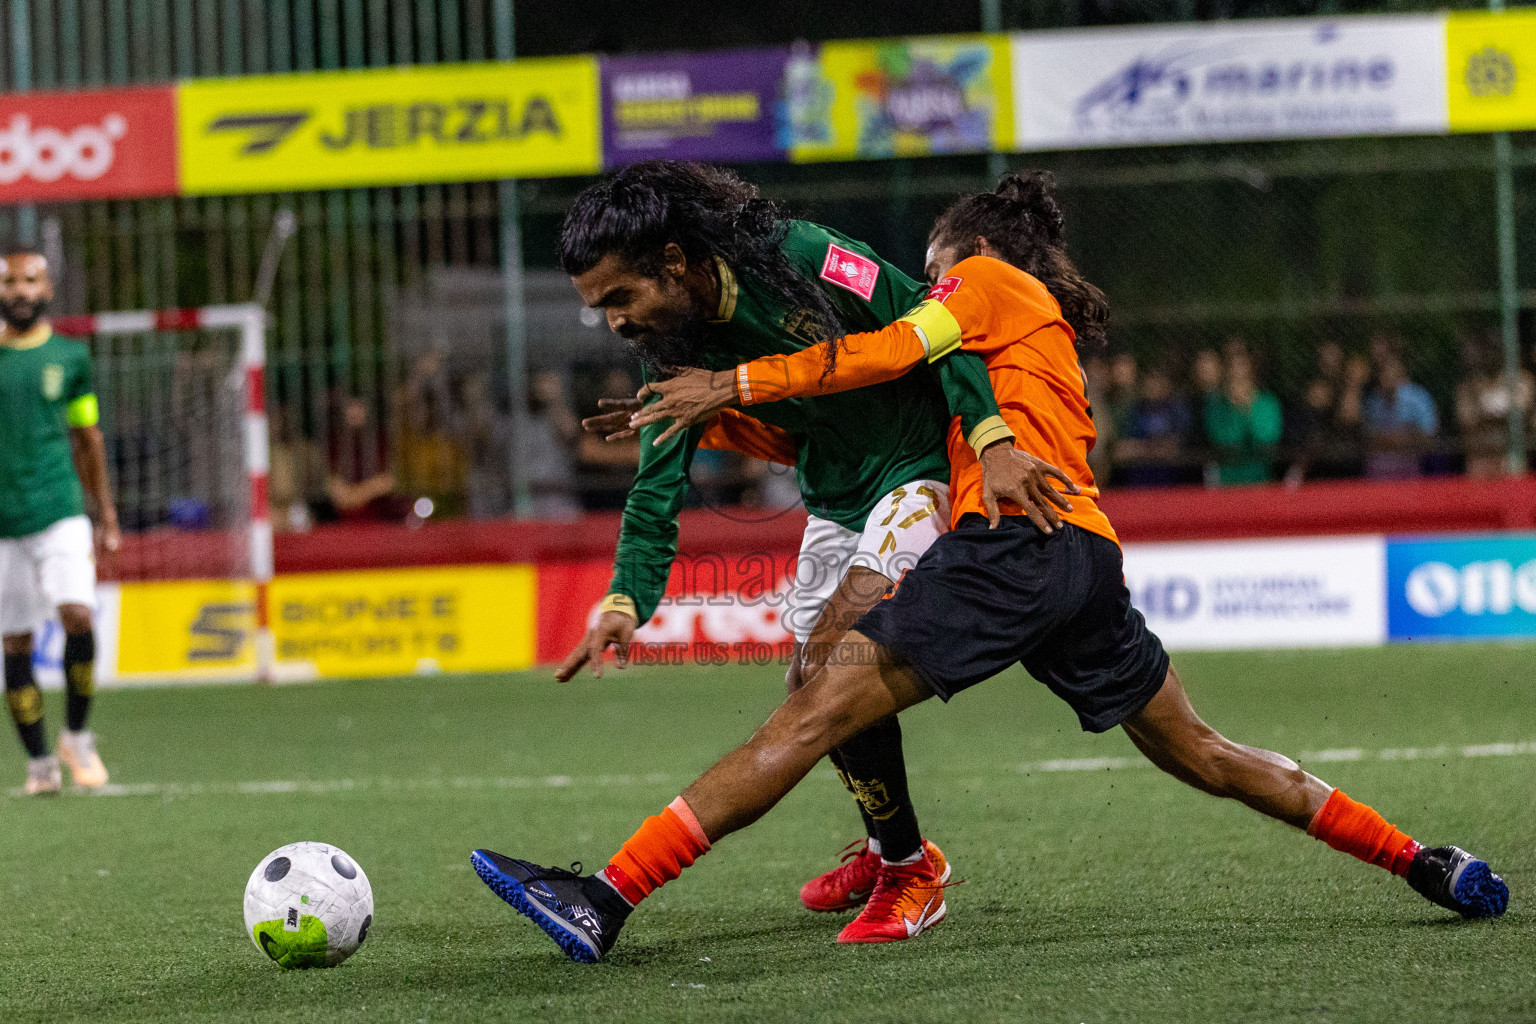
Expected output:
(735, 431)
(1009, 319)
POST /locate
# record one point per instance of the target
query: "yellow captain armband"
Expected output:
(619, 603)
(936, 327)
(989, 431)
(83, 412)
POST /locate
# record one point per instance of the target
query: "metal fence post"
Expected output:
(512, 288)
(991, 23)
(21, 81)
(1509, 293)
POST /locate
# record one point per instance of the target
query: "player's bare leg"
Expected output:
(1175, 739)
(25, 702)
(583, 914)
(872, 767)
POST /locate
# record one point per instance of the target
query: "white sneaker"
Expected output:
(43, 775)
(78, 750)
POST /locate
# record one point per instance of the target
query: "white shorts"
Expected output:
(902, 526)
(43, 570)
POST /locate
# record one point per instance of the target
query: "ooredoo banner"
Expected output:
(725, 106)
(1303, 78)
(1316, 592)
(118, 143)
(1470, 587)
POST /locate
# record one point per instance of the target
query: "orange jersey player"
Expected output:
(983, 597)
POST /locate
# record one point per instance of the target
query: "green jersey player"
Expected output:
(51, 458)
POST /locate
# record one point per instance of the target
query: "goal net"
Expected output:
(182, 399)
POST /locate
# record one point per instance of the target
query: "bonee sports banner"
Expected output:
(1303, 78)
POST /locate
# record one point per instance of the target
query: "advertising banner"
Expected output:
(109, 144)
(726, 607)
(1322, 592)
(449, 122)
(1491, 71)
(1284, 79)
(901, 97)
(186, 630)
(467, 618)
(1469, 587)
(724, 106)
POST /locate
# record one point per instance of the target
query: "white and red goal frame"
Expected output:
(250, 320)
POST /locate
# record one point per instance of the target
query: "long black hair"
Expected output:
(707, 211)
(1023, 222)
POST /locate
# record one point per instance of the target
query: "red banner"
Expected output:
(113, 144)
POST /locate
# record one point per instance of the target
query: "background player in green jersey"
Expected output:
(690, 266)
(51, 456)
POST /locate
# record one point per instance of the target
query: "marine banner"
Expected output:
(1491, 71)
(901, 97)
(1283, 79)
(726, 106)
(448, 122)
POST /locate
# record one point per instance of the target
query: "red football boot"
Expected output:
(908, 899)
(846, 886)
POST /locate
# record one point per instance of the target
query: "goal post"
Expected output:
(183, 397)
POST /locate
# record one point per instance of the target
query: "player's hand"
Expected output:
(616, 628)
(1007, 472)
(693, 396)
(613, 421)
(108, 536)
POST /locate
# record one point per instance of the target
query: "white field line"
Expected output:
(177, 790)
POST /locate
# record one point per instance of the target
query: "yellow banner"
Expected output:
(906, 97)
(466, 618)
(186, 629)
(332, 129)
(1491, 71)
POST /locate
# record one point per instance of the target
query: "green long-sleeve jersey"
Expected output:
(851, 448)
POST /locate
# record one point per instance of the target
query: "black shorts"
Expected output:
(980, 600)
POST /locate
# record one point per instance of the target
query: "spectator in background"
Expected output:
(1154, 448)
(608, 468)
(1120, 397)
(1400, 422)
(1326, 429)
(1482, 406)
(360, 485)
(486, 433)
(1243, 424)
(296, 475)
(1095, 383)
(432, 460)
(1206, 374)
(547, 454)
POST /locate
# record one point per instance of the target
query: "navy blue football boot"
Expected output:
(1456, 880)
(582, 913)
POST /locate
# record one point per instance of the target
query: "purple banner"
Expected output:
(724, 106)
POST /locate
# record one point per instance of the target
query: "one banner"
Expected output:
(1469, 587)
(467, 618)
(1303, 78)
(901, 97)
(1491, 71)
(447, 122)
(1323, 592)
(186, 631)
(725, 106)
(108, 144)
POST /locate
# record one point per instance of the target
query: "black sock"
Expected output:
(26, 703)
(836, 757)
(877, 775)
(79, 677)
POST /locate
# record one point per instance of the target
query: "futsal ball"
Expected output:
(308, 905)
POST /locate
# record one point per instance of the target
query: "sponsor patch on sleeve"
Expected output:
(944, 289)
(849, 270)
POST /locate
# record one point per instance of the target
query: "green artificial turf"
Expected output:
(1092, 894)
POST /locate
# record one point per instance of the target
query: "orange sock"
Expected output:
(657, 853)
(1359, 831)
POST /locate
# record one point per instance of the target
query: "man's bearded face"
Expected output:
(25, 290)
